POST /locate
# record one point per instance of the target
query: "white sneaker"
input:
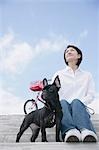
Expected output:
(73, 135)
(88, 136)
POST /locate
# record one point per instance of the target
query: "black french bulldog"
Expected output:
(43, 117)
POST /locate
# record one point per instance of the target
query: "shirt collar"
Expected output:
(69, 69)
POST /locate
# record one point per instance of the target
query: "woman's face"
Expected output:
(71, 55)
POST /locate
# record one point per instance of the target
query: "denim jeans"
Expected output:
(75, 115)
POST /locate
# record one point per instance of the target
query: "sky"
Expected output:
(33, 36)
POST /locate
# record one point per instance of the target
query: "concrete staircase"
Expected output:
(9, 127)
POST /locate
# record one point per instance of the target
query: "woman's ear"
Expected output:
(79, 56)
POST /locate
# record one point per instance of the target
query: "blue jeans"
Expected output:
(75, 115)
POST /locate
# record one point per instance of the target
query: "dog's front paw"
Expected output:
(58, 140)
(32, 140)
(17, 141)
(44, 140)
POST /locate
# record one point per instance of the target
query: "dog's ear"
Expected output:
(45, 82)
(57, 81)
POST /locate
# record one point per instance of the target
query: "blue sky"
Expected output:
(33, 36)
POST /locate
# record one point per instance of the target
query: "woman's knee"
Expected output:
(63, 102)
(65, 105)
(77, 103)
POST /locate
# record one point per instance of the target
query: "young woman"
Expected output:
(76, 92)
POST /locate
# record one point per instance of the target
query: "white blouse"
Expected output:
(78, 85)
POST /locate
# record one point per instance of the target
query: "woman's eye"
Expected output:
(70, 50)
(66, 51)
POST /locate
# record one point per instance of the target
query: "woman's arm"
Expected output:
(90, 94)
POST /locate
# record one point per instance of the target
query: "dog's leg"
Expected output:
(23, 127)
(57, 130)
(35, 134)
(58, 125)
(44, 139)
(43, 131)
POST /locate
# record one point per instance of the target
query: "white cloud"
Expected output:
(9, 103)
(15, 56)
(50, 44)
(6, 41)
(82, 36)
(18, 58)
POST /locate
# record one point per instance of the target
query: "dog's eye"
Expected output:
(51, 90)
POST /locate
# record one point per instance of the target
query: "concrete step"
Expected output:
(49, 146)
(10, 124)
(9, 127)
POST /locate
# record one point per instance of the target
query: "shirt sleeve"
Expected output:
(90, 93)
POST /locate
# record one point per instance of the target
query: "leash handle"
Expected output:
(90, 110)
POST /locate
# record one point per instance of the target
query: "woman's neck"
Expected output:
(73, 66)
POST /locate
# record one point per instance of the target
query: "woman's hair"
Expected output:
(78, 51)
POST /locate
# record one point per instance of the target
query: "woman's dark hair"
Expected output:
(78, 51)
